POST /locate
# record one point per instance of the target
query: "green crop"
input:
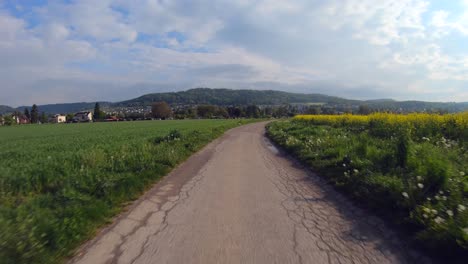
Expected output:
(59, 183)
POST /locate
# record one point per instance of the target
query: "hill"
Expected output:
(65, 108)
(225, 97)
(6, 109)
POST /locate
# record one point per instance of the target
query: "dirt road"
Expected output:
(239, 200)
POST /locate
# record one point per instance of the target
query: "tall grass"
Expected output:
(58, 183)
(411, 169)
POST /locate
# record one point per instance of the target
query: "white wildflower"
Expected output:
(428, 198)
(444, 198)
(419, 178)
(450, 213)
(420, 185)
(461, 208)
(434, 211)
(425, 216)
(344, 165)
(405, 194)
(441, 192)
(356, 171)
(427, 210)
(462, 173)
(437, 197)
(439, 220)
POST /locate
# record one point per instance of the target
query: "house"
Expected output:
(112, 119)
(58, 119)
(20, 119)
(83, 117)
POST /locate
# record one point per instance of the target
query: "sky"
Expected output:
(110, 50)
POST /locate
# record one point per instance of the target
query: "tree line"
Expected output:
(33, 116)
(162, 110)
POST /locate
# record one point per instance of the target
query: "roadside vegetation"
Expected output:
(411, 169)
(58, 184)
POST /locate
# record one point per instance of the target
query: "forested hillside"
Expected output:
(233, 97)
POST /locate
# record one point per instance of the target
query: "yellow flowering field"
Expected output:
(385, 124)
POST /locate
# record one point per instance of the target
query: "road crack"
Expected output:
(327, 216)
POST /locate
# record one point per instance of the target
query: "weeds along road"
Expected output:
(240, 200)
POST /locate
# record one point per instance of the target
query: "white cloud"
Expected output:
(89, 18)
(159, 17)
(439, 66)
(387, 48)
(10, 28)
(379, 22)
(444, 24)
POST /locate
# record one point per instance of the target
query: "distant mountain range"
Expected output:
(226, 97)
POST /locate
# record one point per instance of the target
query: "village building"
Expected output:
(112, 119)
(21, 119)
(58, 119)
(83, 117)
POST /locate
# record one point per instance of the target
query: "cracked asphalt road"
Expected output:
(240, 200)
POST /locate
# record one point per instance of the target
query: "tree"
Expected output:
(43, 118)
(34, 114)
(206, 111)
(314, 110)
(69, 118)
(234, 112)
(364, 110)
(9, 120)
(192, 113)
(98, 114)
(252, 111)
(27, 114)
(281, 111)
(222, 112)
(161, 110)
(267, 111)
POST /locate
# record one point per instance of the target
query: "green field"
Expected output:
(59, 183)
(410, 169)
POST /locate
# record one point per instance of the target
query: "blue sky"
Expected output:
(67, 51)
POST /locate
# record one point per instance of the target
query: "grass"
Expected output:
(410, 169)
(59, 183)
